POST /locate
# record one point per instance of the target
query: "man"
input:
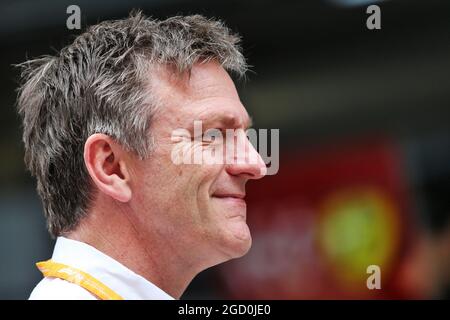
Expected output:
(99, 121)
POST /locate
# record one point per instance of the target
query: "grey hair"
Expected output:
(100, 84)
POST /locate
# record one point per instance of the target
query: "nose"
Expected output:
(246, 161)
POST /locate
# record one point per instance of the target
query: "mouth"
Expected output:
(232, 198)
(230, 195)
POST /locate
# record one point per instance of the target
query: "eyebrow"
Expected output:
(227, 122)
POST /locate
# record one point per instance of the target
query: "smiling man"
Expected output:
(98, 121)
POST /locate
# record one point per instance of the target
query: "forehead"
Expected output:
(207, 94)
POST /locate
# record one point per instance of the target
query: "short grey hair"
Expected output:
(100, 84)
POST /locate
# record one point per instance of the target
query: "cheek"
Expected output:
(154, 180)
(210, 178)
(202, 185)
(161, 183)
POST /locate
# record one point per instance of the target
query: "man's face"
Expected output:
(199, 208)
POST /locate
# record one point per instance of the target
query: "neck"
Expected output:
(111, 230)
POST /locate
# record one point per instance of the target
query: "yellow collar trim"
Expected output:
(54, 269)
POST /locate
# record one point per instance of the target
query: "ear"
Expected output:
(108, 166)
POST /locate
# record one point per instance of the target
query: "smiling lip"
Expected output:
(236, 200)
(234, 197)
(230, 195)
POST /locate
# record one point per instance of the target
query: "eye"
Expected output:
(213, 135)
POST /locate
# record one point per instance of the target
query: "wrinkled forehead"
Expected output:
(207, 93)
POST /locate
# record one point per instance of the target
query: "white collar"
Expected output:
(110, 272)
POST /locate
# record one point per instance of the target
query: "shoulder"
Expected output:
(57, 289)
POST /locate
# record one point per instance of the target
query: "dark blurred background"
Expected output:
(364, 119)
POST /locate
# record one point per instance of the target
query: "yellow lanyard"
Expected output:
(54, 269)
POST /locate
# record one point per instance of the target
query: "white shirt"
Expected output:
(110, 272)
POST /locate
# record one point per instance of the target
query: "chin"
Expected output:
(230, 246)
(244, 248)
(240, 240)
